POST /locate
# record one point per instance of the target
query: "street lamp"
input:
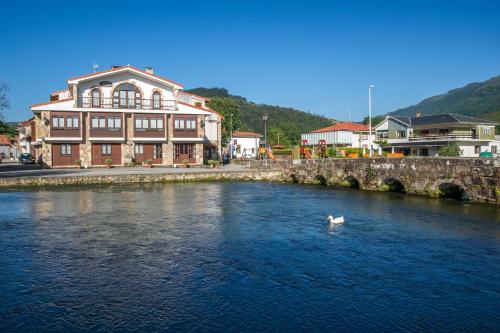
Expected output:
(370, 87)
(230, 136)
(264, 119)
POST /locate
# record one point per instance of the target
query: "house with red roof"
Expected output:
(123, 115)
(5, 146)
(342, 134)
(245, 144)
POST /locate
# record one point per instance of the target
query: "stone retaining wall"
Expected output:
(257, 175)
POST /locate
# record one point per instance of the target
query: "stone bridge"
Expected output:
(476, 179)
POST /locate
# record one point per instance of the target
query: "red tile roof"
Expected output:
(347, 126)
(239, 134)
(26, 122)
(4, 140)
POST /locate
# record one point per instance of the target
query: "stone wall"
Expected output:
(250, 175)
(476, 179)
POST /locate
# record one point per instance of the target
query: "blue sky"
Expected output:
(311, 55)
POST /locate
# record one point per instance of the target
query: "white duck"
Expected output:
(336, 220)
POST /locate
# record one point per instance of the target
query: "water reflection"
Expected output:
(245, 257)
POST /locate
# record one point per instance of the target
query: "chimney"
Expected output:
(115, 66)
(149, 70)
(419, 114)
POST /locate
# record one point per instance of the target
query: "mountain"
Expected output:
(480, 100)
(290, 121)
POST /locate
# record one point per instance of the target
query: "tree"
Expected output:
(276, 135)
(375, 120)
(452, 149)
(231, 112)
(4, 101)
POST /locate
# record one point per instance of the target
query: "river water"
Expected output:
(245, 257)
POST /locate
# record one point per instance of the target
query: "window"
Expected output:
(102, 122)
(96, 98)
(156, 100)
(98, 122)
(106, 149)
(141, 123)
(364, 136)
(382, 135)
(198, 104)
(58, 122)
(190, 124)
(156, 123)
(114, 122)
(493, 149)
(486, 130)
(157, 151)
(477, 149)
(179, 124)
(127, 96)
(72, 122)
(400, 134)
(65, 149)
(139, 148)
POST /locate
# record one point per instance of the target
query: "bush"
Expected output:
(331, 152)
(108, 161)
(452, 149)
(78, 162)
(149, 161)
(282, 151)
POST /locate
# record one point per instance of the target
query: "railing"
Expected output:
(443, 137)
(125, 103)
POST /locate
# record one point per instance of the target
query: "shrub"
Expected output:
(149, 161)
(452, 149)
(331, 152)
(78, 162)
(108, 161)
(185, 161)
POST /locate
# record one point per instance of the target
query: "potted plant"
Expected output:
(78, 164)
(185, 162)
(148, 163)
(108, 162)
(217, 164)
(211, 163)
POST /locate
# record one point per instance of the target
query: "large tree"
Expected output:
(4, 101)
(230, 109)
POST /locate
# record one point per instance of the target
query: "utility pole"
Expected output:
(370, 118)
(230, 136)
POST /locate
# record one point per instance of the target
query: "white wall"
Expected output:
(248, 144)
(332, 138)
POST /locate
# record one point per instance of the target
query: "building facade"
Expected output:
(245, 144)
(124, 115)
(343, 134)
(425, 135)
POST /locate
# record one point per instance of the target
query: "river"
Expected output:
(245, 257)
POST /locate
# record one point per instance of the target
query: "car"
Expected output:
(26, 159)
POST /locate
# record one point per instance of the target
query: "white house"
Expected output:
(245, 144)
(425, 135)
(344, 134)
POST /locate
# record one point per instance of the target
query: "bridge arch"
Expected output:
(453, 189)
(320, 180)
(393, 185)
(352, 181)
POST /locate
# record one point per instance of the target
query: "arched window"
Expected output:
(127, 96)
(96, 98)
(156, 100)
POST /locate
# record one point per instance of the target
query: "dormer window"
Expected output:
(156, 100)
(127, 96)
(96, 98)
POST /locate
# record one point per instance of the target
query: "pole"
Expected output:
(370, 119)
(230, 136)
(265, 131)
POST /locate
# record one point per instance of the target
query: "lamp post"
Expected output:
(370, 87)
(264, 119)
(230, 136)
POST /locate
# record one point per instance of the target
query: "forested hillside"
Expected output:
(475, 100)
(289, 123)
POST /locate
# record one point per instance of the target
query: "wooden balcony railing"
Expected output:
(125, 103)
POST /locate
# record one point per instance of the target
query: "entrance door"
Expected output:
(103, 151)
(65, 154)
(184, 151)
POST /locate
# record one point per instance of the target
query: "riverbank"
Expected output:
(54, 177)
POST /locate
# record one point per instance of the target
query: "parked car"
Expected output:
(1, 157)
(26, 159)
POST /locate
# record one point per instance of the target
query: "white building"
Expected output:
(425, 135)
(345, 134)
(245, 144)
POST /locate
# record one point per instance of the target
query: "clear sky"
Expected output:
(311, 55)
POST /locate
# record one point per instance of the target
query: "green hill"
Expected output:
(480, 100)
(289, 122)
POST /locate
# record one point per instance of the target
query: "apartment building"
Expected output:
(124, 114)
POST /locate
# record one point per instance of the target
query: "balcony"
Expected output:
(444, 137)
(127, 104)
